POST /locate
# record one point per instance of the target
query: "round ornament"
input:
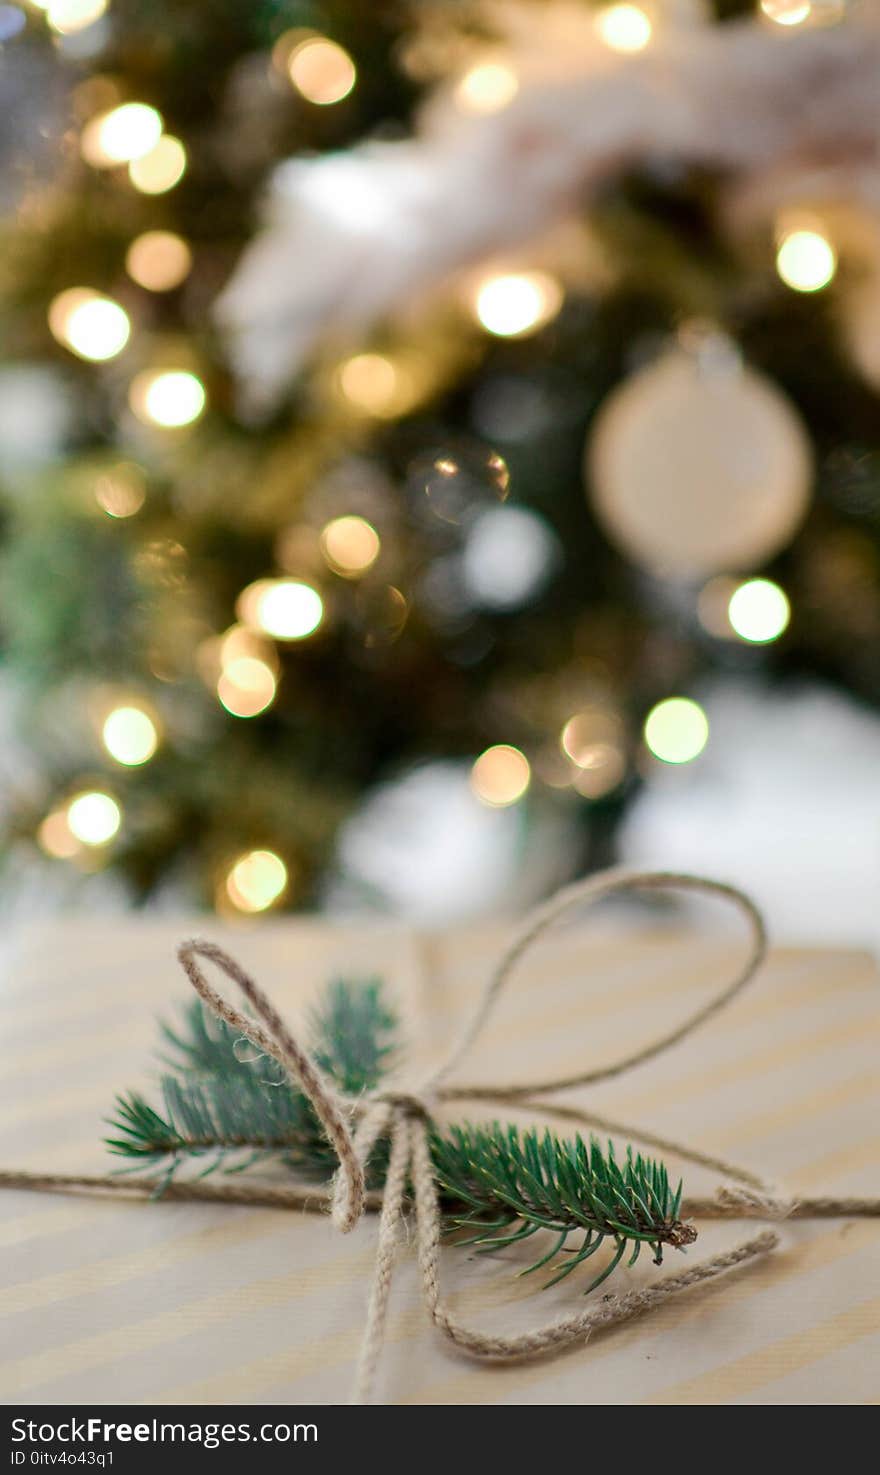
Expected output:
(699, 464)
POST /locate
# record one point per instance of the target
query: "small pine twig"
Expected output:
(227, 1106)
(533, 1181)
(227, 1103)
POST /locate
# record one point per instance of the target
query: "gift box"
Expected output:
(110, 1299)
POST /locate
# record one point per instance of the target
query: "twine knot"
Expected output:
(411, 1103)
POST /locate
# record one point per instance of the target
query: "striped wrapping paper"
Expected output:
(109, 1300)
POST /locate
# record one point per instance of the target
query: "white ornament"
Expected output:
(698, 464)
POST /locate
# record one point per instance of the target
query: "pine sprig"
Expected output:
(532, 1180)
(226, 1105)
(233, 1106)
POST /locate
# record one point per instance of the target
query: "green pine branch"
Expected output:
(227, 1106)
(512, 1183)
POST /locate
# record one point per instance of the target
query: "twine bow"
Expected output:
(403, 1114)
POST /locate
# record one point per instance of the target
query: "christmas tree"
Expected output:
(425, 393)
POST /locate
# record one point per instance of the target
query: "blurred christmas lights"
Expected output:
(587, 730)
(246, 686)
(158, 260)
(321, 71)
(160, 169)
(676, 730)
(286, 609)
(500, 776)
(239, 641)
(121, 491)
(515, 304)
(130, 736)
(94, 817)
(759, 611)
(713, 604)
(806, 260)
(487, 87)
(69, 16)
(786, 12)
(602, 770)
(56, 838)
(170, 398)
(123, 134)
(256, 881)
(624, 28)
(371, 382)
(92, 326)
(350, 545)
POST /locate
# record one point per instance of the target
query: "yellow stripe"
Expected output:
(787, 1355)
(243, 1228)
(748, 1066)
(206, 1314)
(843, 1160)
(95, 1045)
(800, 1110)
(55, 1219)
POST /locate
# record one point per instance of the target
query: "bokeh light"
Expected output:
(158, 260)
(602, 770)
(487, 87)
(676, 730)
(121, 135)
(713, 604)
(246, 686)
(508, 557)
(130, 736)
(287, 609)
(592, 728)
(94, 817)
(69, 16)
(321, 71)
(786, 12)
(121, 491)
(256, 881)
(624, 28)
(806, 260)
(56, 838)
(515, 304)
(92, 326)
(759, 611)
(160, 169)
(240, 641)
(170, 398)
(371, 382)
(500, 776)
(350, 545)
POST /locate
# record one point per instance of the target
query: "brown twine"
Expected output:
(404, 1113)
